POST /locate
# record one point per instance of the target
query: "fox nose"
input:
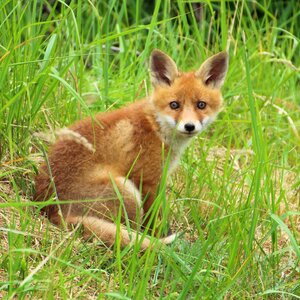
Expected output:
(189, 127)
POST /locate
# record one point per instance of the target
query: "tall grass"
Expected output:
(235, 198)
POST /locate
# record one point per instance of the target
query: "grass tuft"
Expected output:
(235, 198)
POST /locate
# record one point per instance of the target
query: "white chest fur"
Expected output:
(169, 135)
(177, 149)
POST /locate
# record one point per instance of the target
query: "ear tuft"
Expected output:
(162, 68)
(213, 71)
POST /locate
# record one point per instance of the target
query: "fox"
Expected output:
(113, 161)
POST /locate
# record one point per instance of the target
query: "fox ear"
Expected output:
(213, 71)
(162, 68)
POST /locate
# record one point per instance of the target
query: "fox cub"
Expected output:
(114, 160)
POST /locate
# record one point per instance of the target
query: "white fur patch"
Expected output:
(68, 134)
(169, 239)
(197, 124)
(167, 123)
(168, 134)
(176, 135)
(208, 120)
(131, 188)
(169, 127)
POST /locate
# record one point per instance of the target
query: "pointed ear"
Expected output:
(162, 68)
(213, 71)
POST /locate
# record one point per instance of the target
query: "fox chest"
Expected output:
(152, 163)
(174, 162)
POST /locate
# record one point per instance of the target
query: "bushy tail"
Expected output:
(107, 232)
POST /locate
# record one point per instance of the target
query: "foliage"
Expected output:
(235, 198)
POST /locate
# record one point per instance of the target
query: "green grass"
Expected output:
(235, 198)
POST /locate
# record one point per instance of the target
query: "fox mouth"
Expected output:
(188, 134)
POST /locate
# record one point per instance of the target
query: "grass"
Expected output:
(235, 198)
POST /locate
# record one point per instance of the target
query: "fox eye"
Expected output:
(174, 105)
(201, 104)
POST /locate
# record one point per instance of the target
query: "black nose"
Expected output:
(189, 127)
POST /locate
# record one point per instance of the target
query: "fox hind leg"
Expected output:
(107, 231)
(108, 197)
(103, 198)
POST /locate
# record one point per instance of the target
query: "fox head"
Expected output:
(186, 103)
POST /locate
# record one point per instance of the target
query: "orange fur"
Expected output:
(95, 155)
